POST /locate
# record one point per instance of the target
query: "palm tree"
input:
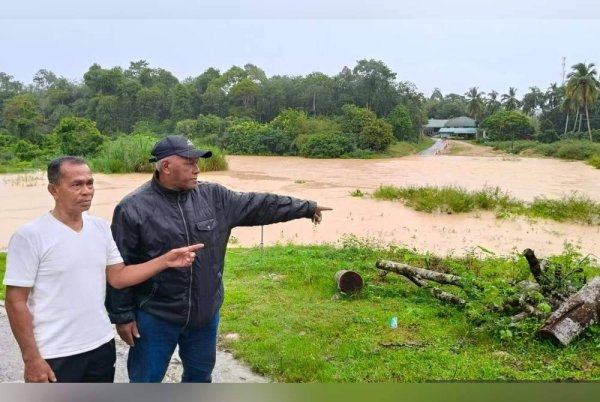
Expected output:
(475, 103)
(568, 106)
(554, 96)
(492, 104)
(532, 100)
(509, 100)
(582, 88)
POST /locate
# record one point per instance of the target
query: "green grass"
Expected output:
(449, 199)
(294, 326)
(452, 199)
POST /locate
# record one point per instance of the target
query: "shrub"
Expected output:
(187, 127)
(508, 125)
(376, 135)
(594, 161)
(577, 150)
(271, 141)
(241, 136)
(78, 136)
(250, 137)
(26, 151)
(211, 125)
(326, 146)
(401, 123)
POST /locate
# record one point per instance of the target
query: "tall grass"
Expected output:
(573, 207)
(129, 154)
(216, 162)
(451, 199)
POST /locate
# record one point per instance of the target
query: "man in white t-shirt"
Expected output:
(56, 272)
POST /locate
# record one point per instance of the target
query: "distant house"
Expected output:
(433, 126)
(462, 126)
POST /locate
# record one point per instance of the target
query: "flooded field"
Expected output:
(330, 182)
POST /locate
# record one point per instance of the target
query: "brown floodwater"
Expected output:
(330, 182)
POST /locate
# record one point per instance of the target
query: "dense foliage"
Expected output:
(508, 125)
(243, 111)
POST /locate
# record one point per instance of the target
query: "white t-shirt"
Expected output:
(67, 273)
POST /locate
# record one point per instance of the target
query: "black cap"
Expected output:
(177, 145)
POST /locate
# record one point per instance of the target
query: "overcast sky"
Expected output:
(432, 43)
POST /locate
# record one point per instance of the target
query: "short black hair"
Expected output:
(55, 165)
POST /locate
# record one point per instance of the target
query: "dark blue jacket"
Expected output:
(153, 220)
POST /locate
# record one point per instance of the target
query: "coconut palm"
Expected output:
(532, 100)
(554, 96)
(509, 100)
(582, 88)
(491, 103)
(569, 107)
(475, 103)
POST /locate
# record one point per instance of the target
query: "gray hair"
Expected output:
(54, 173)
(158, 166)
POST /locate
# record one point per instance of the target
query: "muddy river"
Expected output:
(330, 182)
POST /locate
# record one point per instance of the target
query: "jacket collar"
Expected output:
(166, 191)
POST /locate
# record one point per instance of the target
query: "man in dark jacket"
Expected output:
(181, 307)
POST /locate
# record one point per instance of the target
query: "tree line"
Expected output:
(364, 108)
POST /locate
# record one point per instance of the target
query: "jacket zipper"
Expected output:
(187, 236)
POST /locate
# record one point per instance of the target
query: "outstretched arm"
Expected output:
(121, 276)
(19, 316)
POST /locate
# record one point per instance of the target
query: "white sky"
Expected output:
(453, 45)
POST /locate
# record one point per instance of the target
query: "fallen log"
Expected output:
(437, 292)
(535, 266)
(415, 272)
(576, 314)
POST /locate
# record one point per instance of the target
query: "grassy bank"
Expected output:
(400, 149)
(583, 150)
(293, 326)
(452, 199)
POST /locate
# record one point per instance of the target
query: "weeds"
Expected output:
(450, 199)
(357, 193)
(26, 180)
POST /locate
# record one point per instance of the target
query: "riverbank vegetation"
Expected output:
(454, 199)
(362, 112)
(569, 149)
(284, 316)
